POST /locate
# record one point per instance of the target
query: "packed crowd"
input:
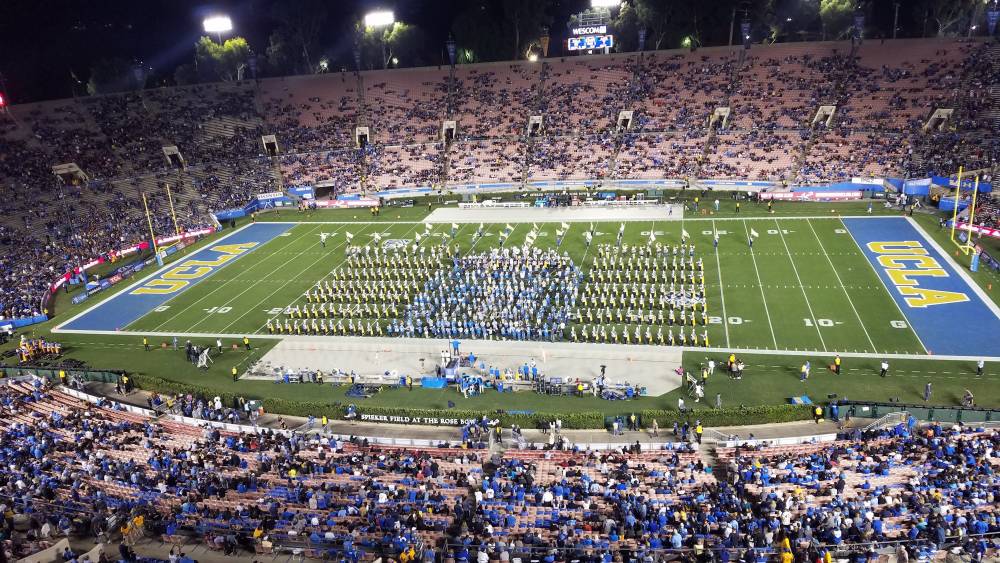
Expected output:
(988, 212)
(883, 96)
(77, 468)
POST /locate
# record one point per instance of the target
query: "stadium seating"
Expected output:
(98, 466)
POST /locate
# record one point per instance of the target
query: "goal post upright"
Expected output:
(954, 215)
(972, 217)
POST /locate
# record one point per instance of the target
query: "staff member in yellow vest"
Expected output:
(836, 364)
(235, 374)
(246, 343)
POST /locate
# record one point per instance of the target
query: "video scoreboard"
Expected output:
(590, 38)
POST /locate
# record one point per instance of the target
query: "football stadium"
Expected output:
(637, 290)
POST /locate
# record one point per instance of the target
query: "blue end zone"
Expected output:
(126, 307)
(948, 316)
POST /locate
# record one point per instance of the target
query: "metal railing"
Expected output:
(52, 373)
(929, 413)
(891, 419)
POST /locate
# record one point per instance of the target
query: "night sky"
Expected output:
(44, 44)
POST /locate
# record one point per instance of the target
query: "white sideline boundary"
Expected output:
(556, 220)
(578, 214)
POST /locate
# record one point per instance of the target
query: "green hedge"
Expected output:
(733, 416)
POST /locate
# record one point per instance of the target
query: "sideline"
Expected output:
(653, 348)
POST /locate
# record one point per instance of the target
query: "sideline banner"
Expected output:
(811, 196)
(346, 203)
(985, 231)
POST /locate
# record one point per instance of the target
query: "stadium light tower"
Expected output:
(217, 25)
(380, 19)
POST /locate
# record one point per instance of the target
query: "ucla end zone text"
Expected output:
(949, 316)
(141, 298)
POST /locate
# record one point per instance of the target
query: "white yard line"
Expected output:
(282, 286)
(299, 298)
(210, 293)
(887, 290)
(841, 283)
(253, 285)
(804, 296)
(760, 284)
(722, 293)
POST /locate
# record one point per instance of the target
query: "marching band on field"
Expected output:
(639, 294)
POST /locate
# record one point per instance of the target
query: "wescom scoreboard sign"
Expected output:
(588, 38)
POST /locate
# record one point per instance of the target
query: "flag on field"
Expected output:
(565, 225)
(349, 235)
(652, 237)
(684, 234)
(754, 233)
(454, 226)
(508, 227)
(377, 237)
(560, 233)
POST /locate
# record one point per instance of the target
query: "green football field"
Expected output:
(804, 285)
(805, 290)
